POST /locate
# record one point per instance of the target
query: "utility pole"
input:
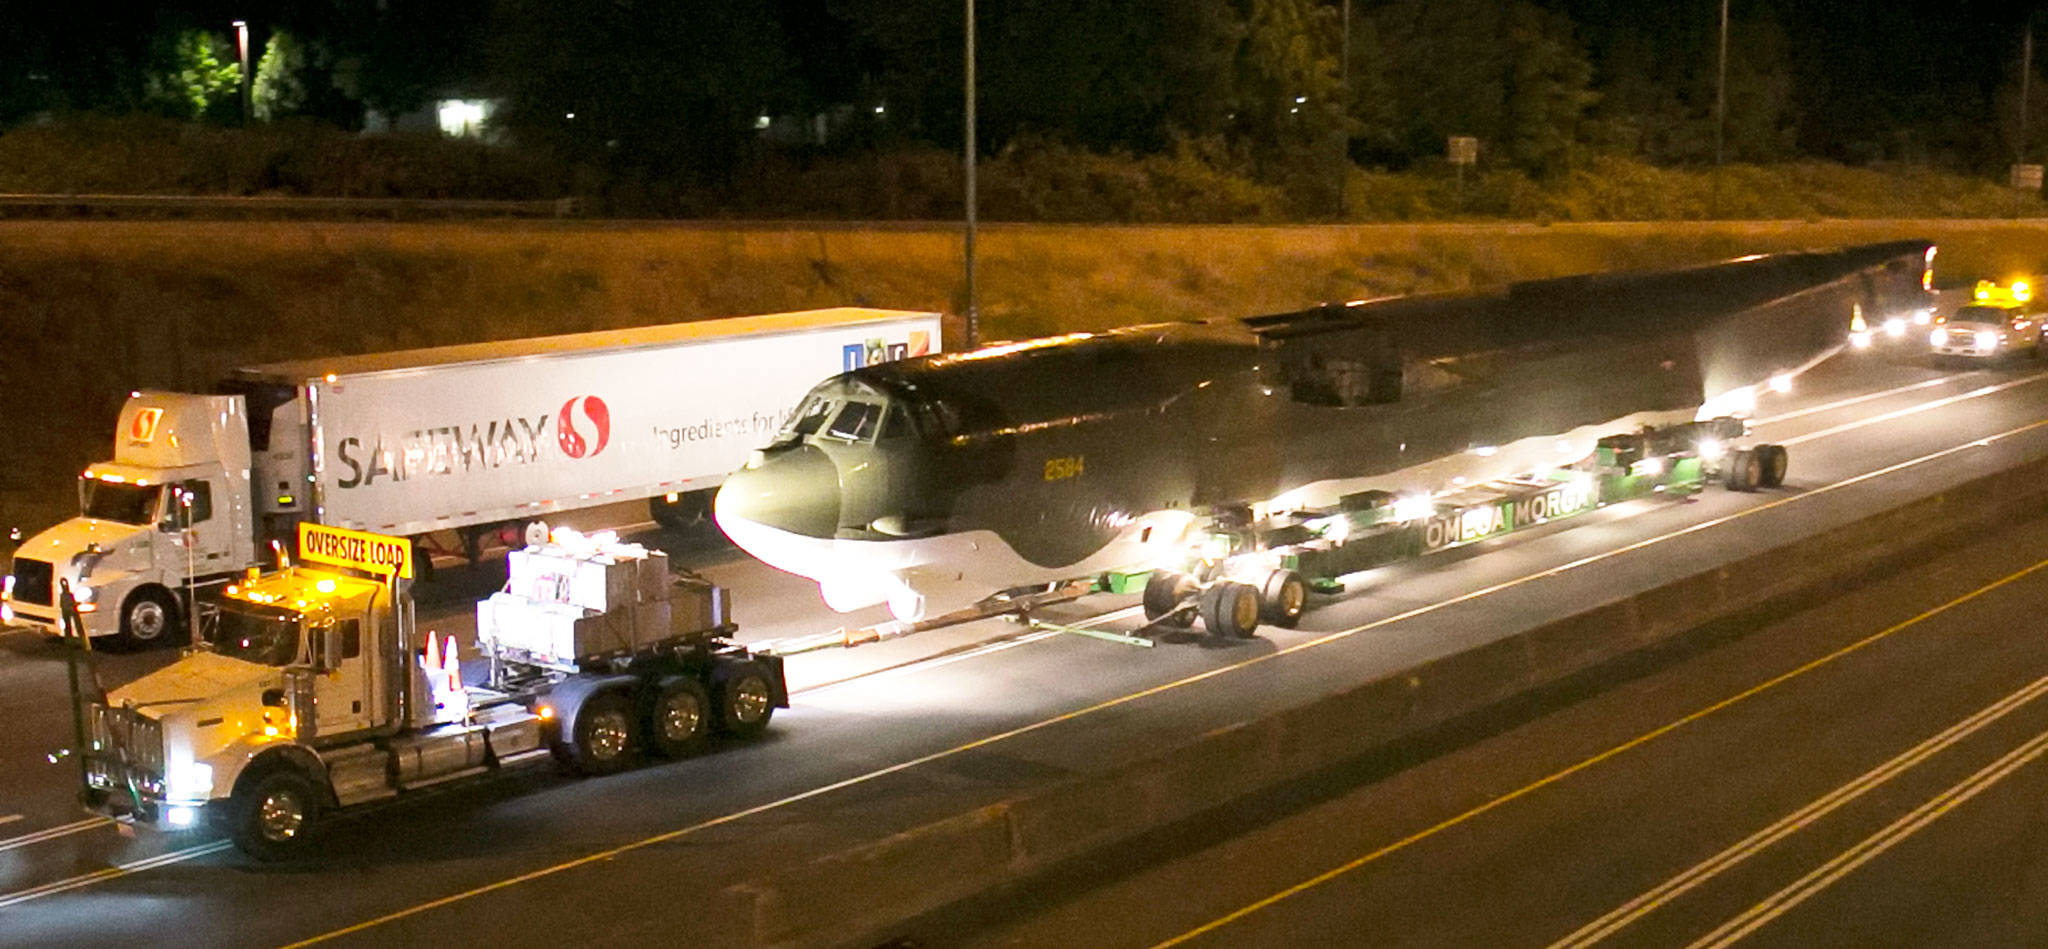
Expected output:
(973, 310)
(1720, 109)
(1344, 118)
(2026, 80)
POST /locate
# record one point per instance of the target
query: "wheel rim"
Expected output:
(1291, 597)
(607, 734)
(146, 619)
(750, 699)
(281, 815)
(1245, 610)
(681, 717)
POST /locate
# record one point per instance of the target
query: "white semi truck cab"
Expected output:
(169, 511)
(311, 690)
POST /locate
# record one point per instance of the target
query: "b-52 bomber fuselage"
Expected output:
(930, 483)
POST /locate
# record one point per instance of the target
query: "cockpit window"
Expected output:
(811, 416)
(856, 422)
(896, 424)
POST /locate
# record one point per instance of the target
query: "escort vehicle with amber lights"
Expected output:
(458, 447)
(1998, 321)
(312, 690)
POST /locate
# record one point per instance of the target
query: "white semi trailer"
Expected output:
(459, 441)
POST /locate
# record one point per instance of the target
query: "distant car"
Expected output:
(1998, 322)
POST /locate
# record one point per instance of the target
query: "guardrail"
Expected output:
(270, 207)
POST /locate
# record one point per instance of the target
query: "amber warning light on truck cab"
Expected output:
(360, 550)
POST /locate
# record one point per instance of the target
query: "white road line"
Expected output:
(10, 818)
(1927, 406)
(52, 833)
(721, 820)
(1853, 400)
(111, 873)
(1895, 833)
(1754, 844)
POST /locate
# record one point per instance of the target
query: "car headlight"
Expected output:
(1860, 339)
(1923, 317)
(1895, 327)
(1939, 337)
(1987, 339)
(81, 592)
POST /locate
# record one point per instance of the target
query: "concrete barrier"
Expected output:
(902, 876)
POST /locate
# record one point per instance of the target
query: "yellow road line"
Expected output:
(666, 836)
(1556, 776)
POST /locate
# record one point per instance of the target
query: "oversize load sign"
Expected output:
(1487, 520)
(373, 553)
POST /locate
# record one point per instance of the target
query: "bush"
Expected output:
(1194, 182)
(148, 155)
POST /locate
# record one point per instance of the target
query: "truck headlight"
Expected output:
(1923, 317)
(81, 592)
(1939, 337)
(1895, 327)
(179, 816)
(191, 781)
(1987, 339)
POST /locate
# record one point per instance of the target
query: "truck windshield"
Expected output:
(1981, 314)
(114, 501)
(256, 634)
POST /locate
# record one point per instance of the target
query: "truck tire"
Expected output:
(602, 739)
(150, 618)
(1773, 465)
(1744, 470)
(679, 721)
(1283, 598)
(273, 816)
(745, 698)
(1230, 610)
(1164, 591)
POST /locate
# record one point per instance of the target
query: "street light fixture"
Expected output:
(242, 51)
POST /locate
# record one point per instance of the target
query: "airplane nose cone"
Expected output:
(795, 490)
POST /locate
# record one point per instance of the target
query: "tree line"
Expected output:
(1288, 92)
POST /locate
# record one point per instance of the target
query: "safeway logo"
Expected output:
(143, 429)
(581, 414)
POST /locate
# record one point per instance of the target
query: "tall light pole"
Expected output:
(242, 50)
(1720, 108)
(1344, 104)
(2026, 78)
(973, 311)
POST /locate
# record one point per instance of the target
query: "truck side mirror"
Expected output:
(320, 647)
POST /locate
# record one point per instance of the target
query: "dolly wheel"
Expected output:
(1230, 610)
(1282, 598)
(1164, 592)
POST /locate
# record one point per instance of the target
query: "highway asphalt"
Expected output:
(538, 859)
(1862, 771)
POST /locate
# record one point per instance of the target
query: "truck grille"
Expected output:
(131, 738)
(32, 581)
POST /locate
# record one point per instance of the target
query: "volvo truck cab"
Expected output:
(168, 513)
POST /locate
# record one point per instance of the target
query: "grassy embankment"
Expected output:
(91, 310)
